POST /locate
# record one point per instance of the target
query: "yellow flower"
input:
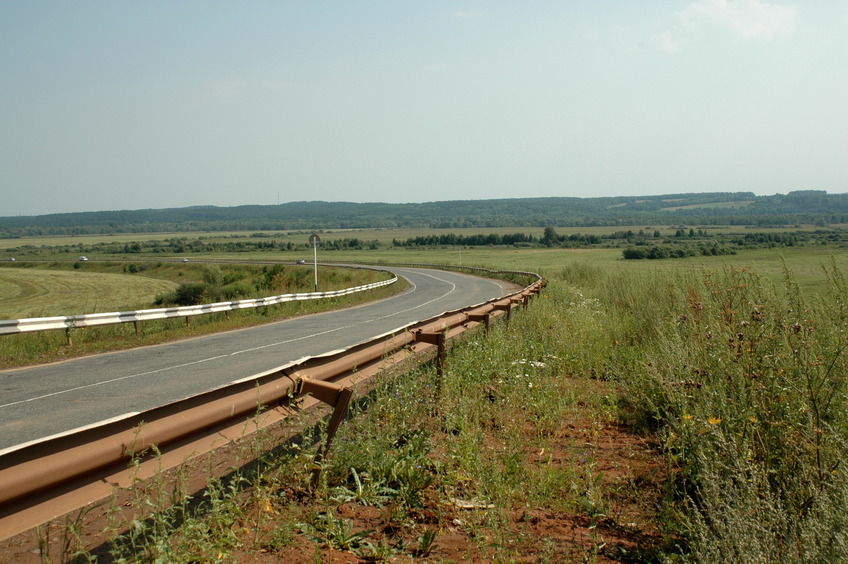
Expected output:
(752, 419)
(714, 420)
(687, 417)
(266, 505)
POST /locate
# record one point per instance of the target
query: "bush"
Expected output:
(632, 253)
(190, 294)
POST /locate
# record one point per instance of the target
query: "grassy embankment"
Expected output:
(47, 289)
(690, 410)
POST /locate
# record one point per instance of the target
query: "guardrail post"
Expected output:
(440, 340)
(506, 308)
(338, 398)
(484, 318)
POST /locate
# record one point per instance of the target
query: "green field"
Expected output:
(729, 370)
(47, 288)
(47, 293)
(384, 236)
(637, 411)
(44, 291)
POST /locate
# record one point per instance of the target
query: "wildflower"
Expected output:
(714, 420)
(752, 419)
(687, 417)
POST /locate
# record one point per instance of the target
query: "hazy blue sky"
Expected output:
(126, 105)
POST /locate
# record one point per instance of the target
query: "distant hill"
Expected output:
(726, 208)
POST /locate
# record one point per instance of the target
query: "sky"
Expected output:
(114, 105)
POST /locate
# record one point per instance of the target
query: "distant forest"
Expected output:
(717, 208)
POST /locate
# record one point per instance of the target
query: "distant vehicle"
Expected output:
(83, 258)
(185, 260)
(12, 258)
(301, 261)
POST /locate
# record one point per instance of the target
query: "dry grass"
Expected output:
(48, 293)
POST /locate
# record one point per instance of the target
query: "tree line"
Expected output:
(718, 208)
(647, 243)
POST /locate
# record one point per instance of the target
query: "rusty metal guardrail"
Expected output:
(45, 479)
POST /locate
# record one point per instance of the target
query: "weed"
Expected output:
(335, 532)
(363, 491)
(426, 543)
(71, 547)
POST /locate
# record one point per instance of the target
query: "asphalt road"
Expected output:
(41, 401)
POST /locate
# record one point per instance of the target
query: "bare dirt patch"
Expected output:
(611, 517)
(621, 526)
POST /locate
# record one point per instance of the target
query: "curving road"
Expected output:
(44, 400)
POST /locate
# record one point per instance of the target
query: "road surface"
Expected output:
(44, 400)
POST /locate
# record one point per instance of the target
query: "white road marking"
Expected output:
(167, 368)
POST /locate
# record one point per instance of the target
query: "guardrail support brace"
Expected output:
(338, 398)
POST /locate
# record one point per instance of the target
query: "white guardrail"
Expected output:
(12, 326)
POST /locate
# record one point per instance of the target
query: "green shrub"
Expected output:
(193, 293)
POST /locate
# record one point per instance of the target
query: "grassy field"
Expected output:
(384, 236)
(47, 293)
(16, 285)
(638, 411)
(47, 288)
(635, 412)
(807, 262)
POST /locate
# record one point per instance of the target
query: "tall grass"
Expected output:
(741, 380)
(745, 384)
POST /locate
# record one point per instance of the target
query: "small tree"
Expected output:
(550, 237)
